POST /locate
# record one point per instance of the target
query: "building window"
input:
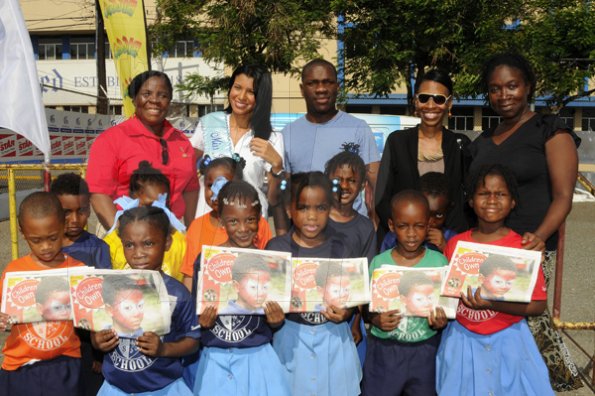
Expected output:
(49, 48)
(108, 53)
(489, 119)
(115, 110)
(206, 109)
(461, 119)
(182, 49)
(76, 109)
(82, 48)
(588, 123)
(567, 115)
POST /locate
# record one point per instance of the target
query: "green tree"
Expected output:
(386, 43)
(274, 33)
(195, 84)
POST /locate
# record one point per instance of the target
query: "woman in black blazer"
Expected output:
(428, 147)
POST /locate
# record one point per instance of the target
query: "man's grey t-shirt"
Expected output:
(308, 146)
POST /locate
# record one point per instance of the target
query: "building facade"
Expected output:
(63, 38)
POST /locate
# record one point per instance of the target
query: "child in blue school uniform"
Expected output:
(489, 349)
(401, 354)
(316, 348)
(73, 193)
(347, 172)
(237, 357)
(149, 364)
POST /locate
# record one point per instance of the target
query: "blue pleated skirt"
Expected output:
(320, 360)
(176, 388)
(252, 371)
(504, 363)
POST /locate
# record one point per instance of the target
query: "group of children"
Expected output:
(488, 349)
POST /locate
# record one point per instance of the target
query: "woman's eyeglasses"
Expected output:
(439, 99)
(164, 152)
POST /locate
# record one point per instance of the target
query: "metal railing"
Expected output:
(11, 180)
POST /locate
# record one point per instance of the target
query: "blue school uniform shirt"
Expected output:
(233, 331)
(90, 250)
(359, 234)
(335, 246)
(128, 369)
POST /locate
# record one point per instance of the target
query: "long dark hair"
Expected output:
(263, 93)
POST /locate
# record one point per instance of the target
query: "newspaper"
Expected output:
(129, 301)
(413, 291)
(37, 296)
(318, 283)
(239, 281)
(503, 273)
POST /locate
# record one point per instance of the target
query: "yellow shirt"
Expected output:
(172, 260)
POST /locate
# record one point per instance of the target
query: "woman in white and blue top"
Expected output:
(244, 128)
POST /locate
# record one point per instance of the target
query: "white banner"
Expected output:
(21, 108)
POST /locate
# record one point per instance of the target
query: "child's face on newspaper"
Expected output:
(498, 283)
(144, 245)
(44, 237)
(128, 310)
(240, 220)
(336, 292)
(420, 300)
(253, 289)
(56, 306)
(76, 213)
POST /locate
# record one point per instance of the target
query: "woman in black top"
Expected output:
(542, 153)
(428, 147)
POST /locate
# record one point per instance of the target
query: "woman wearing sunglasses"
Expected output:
(146, 136)
(428, 147)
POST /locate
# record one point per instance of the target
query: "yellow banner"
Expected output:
(125, 26)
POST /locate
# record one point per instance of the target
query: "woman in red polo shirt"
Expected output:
(147, 136)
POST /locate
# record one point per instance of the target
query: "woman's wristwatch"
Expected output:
(278, 174)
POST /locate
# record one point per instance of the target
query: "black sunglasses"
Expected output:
(164, 152)
(439, 99)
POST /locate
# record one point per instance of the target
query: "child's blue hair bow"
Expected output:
(217, 186)
(173, 220)
(125, 202)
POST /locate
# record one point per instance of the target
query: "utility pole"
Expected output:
(102, 101)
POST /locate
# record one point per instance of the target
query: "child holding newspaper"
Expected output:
(237, 358)
(489, 348)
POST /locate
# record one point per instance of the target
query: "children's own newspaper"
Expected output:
(503, 273)
(128, 301)
(37, 296)
(318, 283)
(239, 281)
(413, 291)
